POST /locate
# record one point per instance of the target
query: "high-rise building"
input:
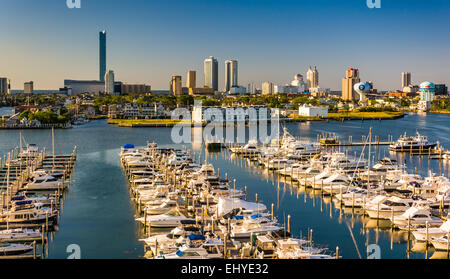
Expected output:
(176, 86)
(441, 89)
(312, 78)
(109, 83)
(211, 69)
(268, 88)
(231, 74)
(406, 79)
(348, 83)
(102, 54)
(191, 79)
(5, 86)
(28, 88)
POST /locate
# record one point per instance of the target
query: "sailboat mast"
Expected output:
(20, 142)
(368, 171)
(53, 146)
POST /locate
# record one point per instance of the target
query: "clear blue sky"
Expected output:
(148, 41)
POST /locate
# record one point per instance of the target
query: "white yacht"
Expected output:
(170, 219)
(407, 143)
(415, 216)
(422, 233)
(393, 205)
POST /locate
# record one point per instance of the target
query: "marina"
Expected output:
(32, 197)
(109, 196)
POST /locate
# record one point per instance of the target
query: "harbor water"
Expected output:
(98, 214)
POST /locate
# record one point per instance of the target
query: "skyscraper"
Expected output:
(231, 74)
(109, 83)
(5, 86)
(348, 83)
(191, 79)
(176, 86)
(102, 56)
(406, 79)
(211, 69)
(28, 88)
(312, 78)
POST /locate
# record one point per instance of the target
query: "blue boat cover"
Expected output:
(23, 202)
(128, 146)
(180, 253)
(196, 237)
(256, 216)
(239, 217)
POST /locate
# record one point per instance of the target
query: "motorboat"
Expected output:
(8, 249)
(408, 143)
(392, 206)
(170, 219)
(164, 207)
(415, 216)
(424, 234)
(20, 234)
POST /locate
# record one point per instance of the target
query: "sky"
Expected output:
(149, 41)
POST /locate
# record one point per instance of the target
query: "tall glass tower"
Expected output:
(102, 41)
(211, 73)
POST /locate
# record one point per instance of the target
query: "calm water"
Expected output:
(99, 216)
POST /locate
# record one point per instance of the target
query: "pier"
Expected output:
(23, 198)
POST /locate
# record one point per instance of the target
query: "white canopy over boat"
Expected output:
(226, 205)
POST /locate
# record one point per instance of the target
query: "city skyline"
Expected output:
(150, 55)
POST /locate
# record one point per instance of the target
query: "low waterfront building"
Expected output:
(236, 90)
(136, 111)
(313, 111)
(231, 114)
(129, 89)
(85, 86)
(201, 91)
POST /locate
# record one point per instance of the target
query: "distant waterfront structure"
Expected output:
(312, 78)
(441, 89)
(109, 83)
(298, 82)
(427, 92)
(28, 88)
(85, 86)
(267, 88)
(237, 90)
(5, 86)
(211, 71)
(231, 74)
(406, 79)
(176, 85)
(128, 89)
(191, 81)
(313, 111)
(348, 83)
(102, 54)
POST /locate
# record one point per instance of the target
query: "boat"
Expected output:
(409, 143)
(251, 148)
(170, 219)
(392, 206)
(20, 235)
(8, 249)
(424, 234)
(415, 216)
